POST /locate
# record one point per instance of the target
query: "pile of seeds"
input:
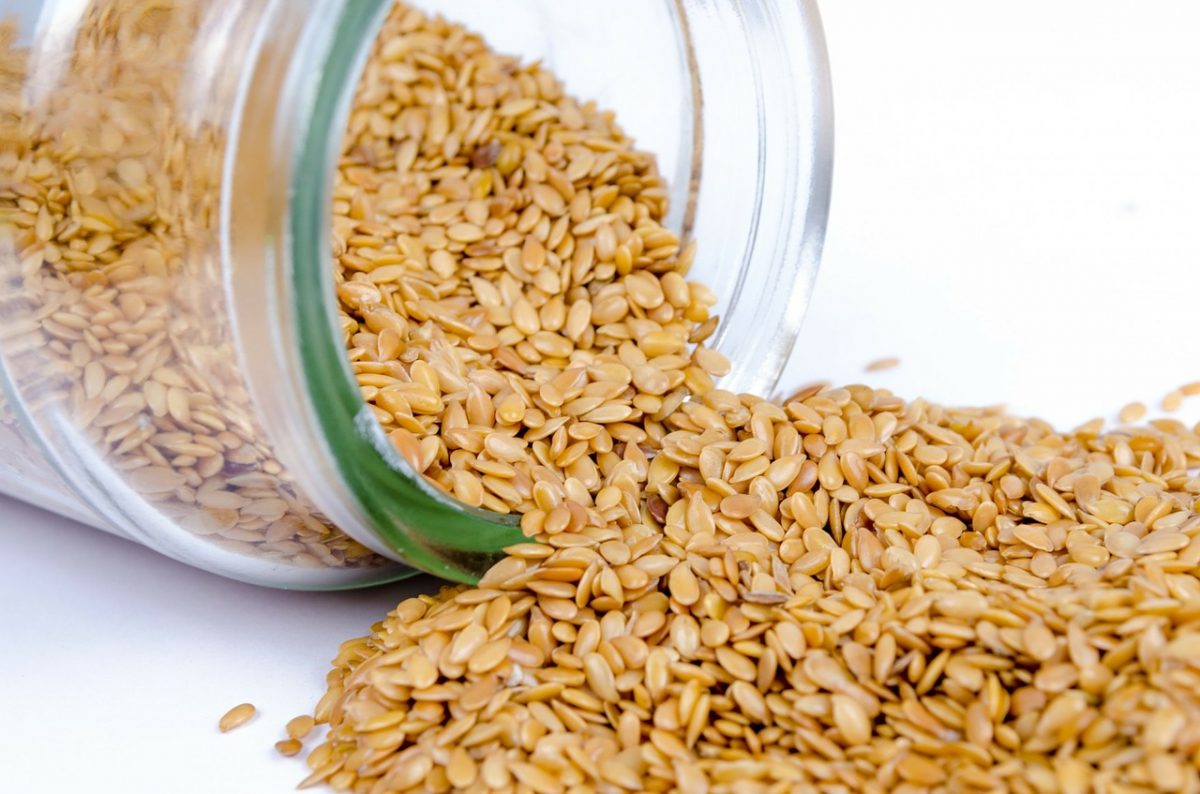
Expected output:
(838, 592)
(113, 314)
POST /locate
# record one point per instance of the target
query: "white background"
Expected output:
(1016, 216)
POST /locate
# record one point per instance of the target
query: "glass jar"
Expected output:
(171, 362)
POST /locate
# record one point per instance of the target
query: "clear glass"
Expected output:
(122, 358)
(168, 342)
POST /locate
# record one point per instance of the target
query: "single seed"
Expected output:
(736, 664)
(921, 771)
(462, 770)
(881, 364)
(1173, 401)
(851, 720)
(600, 677)
(300, 727)
(1039, 641)
(684, 587)
(289, 747)
(236, 717)
(1132, 412)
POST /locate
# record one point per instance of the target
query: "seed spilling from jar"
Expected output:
(839, 591)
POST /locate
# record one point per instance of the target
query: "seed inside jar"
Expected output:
(837, 591)
(114, 323)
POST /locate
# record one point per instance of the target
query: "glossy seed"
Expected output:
(289, 747)
(300, 727)
(236, 717)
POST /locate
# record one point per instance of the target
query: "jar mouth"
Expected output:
(776, 239)
(418, 524)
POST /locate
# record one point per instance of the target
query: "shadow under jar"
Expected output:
(172, 364)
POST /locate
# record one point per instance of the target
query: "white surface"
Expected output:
(1015, 216)
(1016, 207)
(117, 664)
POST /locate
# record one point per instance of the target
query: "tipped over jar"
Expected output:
(172, 363)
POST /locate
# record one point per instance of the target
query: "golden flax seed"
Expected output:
(236, 717)
(1132, 412)
(881, 364)
(300, 727)
(288, 747)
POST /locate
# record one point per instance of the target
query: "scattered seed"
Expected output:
(881, 364)
(236, 717)
(289, 747)
(300, 727)
(1132, 412)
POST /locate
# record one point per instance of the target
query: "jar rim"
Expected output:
(419, 525)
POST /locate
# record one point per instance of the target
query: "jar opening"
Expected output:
(423, 526)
